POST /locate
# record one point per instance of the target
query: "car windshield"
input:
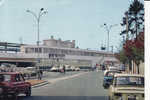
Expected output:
(130, 80)
(6, 77)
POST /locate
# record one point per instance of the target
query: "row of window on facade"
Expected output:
(56, 55)
(61, 51)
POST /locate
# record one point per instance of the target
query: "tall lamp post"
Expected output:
(108, 28)
(37, 17)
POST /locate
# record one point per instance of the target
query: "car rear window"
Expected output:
(130, 81)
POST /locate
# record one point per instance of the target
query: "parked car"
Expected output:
(77, 69)
(12, 84)
(121, 67)
(110, 69)
(68, 67)
(108, 78)
(54, 69)
(30, 71)
(72, 68)
(127, 87)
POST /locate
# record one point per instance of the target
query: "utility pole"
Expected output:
(108, 28)
(112, 48)
(37, 17)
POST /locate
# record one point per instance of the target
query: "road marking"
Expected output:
(66, 77)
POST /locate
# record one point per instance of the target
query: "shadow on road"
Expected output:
(64, 98)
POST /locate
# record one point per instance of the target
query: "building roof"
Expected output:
(137, 75)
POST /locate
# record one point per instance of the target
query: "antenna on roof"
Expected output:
(21, 40)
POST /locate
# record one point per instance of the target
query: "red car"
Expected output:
(12, 84)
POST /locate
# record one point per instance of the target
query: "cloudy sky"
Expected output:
(78, 20)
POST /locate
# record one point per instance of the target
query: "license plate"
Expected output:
(132, 97)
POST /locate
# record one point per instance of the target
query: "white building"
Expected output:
(57, 52)
(59, 43)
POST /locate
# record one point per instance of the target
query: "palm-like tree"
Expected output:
(135, 18)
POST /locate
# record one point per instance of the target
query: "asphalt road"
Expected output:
(87, 86)
(52, 75)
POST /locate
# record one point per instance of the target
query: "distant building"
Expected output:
(9, 47)
(58, 52)
(55, 53)
(59, 43)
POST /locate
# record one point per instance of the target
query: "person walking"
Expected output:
(64, 69)
(39, 75)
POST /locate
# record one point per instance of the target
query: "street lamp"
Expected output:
(37, 17)
(108, 28)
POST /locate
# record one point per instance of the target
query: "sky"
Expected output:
(78, 20)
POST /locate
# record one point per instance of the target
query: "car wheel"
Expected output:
(28, 92)
(4, 97)
(14, 96)
(109, 98)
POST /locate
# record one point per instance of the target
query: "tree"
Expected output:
(135, 15)
(138, 49)
(134, 49)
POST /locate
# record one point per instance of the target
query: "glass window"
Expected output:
(17, 78)
(7, 77)
(40, 50)
(21, 77)
(26, 50)
(127, 80)
(36, 50)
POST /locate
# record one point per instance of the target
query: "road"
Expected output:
(87, 86)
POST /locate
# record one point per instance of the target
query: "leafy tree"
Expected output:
(135, 19)
(138, 49)
(134, 49)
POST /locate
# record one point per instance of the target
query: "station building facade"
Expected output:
(58, 52)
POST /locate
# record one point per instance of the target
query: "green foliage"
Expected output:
(135, 19)
(122, 57)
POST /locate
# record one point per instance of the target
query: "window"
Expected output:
(130, 80)
(7, 77)
(26, 50)
(36, 50)
(17, 78)
(40, 50)
(21, 78)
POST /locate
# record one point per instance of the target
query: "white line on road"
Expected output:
(65, 78)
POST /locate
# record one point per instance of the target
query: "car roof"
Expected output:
(11, 73)
(118, 75)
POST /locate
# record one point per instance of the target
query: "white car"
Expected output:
(72, 68)
(127, 87)
(77, 69)
(54, 69)
(112, 68)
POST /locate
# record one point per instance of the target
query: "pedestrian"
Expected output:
(39, 75)
(64, 69)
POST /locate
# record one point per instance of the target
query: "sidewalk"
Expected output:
(37, 83)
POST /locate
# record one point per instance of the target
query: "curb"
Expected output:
(40, 84)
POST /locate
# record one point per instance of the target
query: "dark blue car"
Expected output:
(108, 78)
(107, 81)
